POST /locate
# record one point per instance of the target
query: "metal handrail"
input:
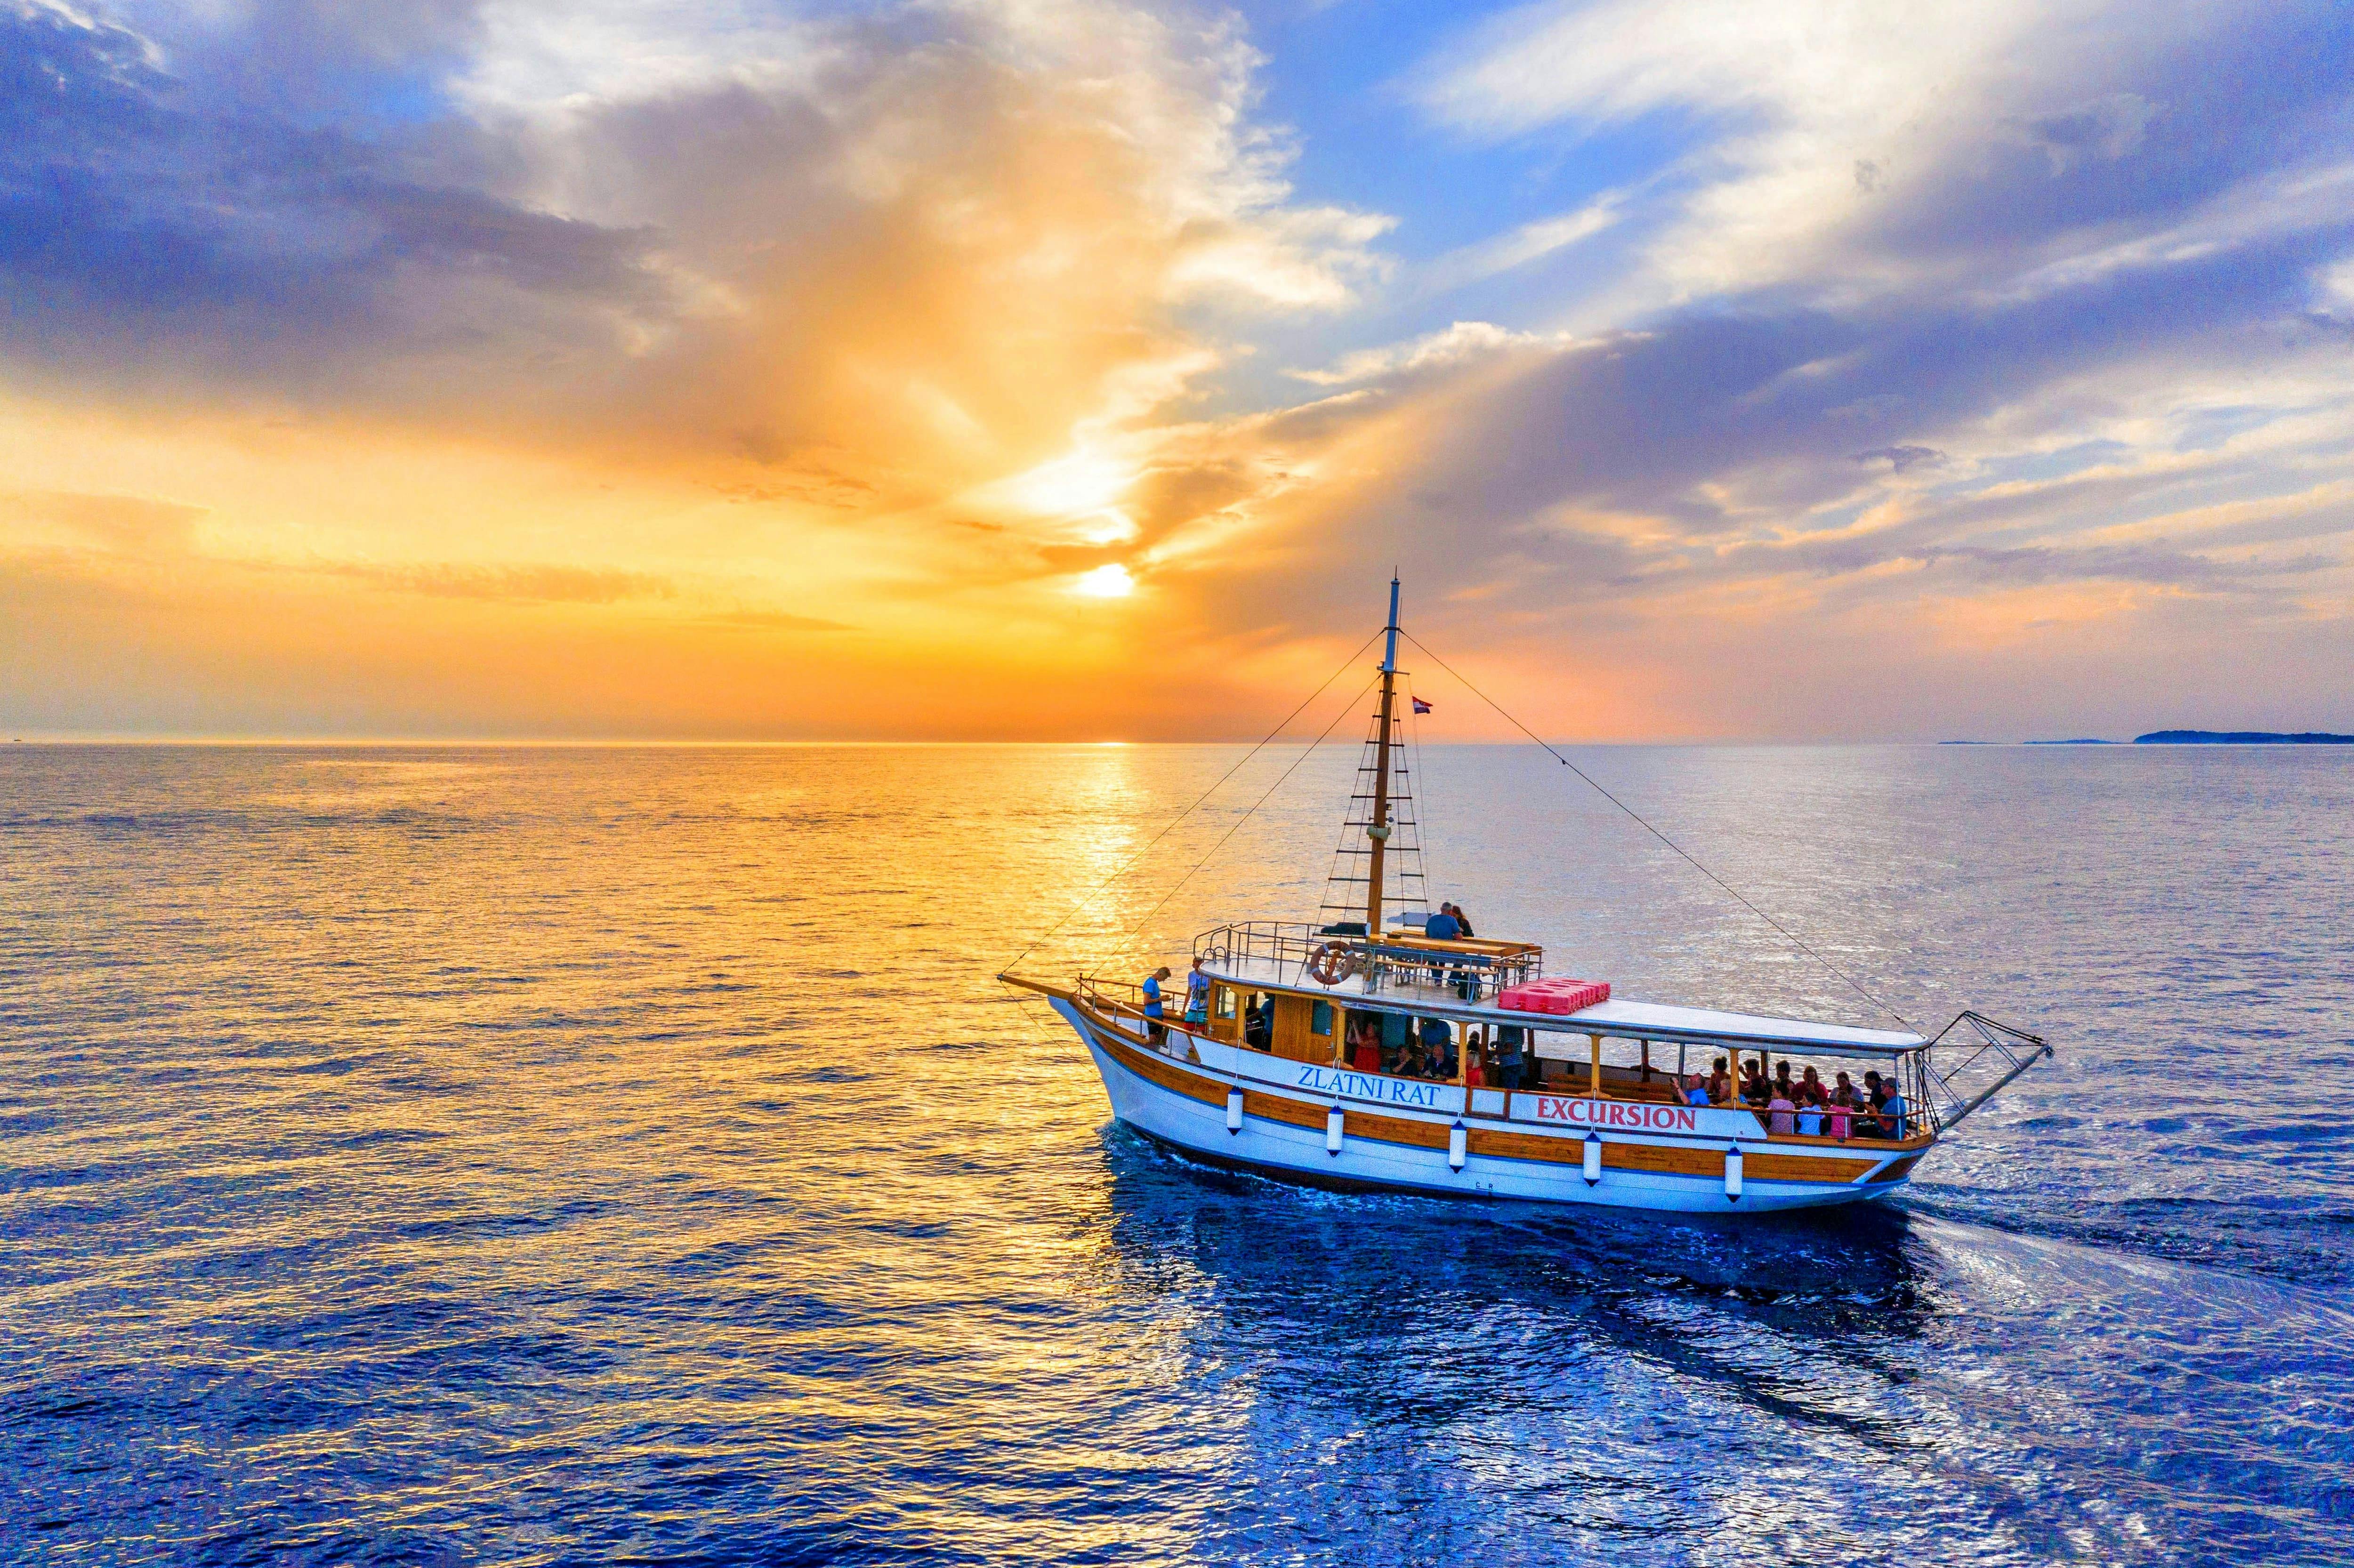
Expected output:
(2015, 1049)
(1289, 944)
(1096, 992)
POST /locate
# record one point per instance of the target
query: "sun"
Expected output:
(1110, 580)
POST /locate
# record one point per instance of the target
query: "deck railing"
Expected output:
(1387, 963)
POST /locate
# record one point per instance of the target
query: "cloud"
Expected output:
(772, 620)
(132, 524)
(2106, 128)
(1907, 253)
(903, 251)
(143, 228)
(1888, 145)
(1899, 458)
(1918, 332)
(1453, 346)
(536, 583)
(1529, 242)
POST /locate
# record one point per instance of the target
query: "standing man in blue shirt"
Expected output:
(1197, 995)
(1155, 1030)
(1509, 1042)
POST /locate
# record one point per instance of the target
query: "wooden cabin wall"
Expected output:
(1292, 1039)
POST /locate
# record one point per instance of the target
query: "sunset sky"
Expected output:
(1077, 369)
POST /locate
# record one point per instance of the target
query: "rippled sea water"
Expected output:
(624, 1154)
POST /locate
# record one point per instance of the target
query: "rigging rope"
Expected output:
(1305, 754)
(1421, 838)
(1794, 939)
(1126, 865)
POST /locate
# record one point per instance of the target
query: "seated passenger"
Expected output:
(1720, 1085)
(1475, 1072)
(1893, 1112)
(1810, 1089)
(1755, 1090)
(1782, 1085)
(1443, 926)
(1437, 1046)
(1843, 1094)
(1695, 1090)
(1779, 1122)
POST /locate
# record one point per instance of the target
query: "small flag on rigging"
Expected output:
(1420, 706)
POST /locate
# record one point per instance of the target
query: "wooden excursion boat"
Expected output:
(1267, 1081)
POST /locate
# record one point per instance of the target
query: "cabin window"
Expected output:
(1319, 1019)
(1225, 1002)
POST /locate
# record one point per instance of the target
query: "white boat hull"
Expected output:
(1183, 1103)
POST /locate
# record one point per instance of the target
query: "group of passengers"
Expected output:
(1806, 1106)
(1402, 1047)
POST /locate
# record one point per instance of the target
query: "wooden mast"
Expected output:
(1379, 830)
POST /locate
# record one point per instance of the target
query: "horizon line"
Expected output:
(119, 739)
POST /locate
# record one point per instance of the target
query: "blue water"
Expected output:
(601, 1155)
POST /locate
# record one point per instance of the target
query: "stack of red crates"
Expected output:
(1558, 995)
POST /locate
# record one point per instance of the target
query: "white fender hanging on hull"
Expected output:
(1458, 1147)
(1332, 1130)
(1593, 1169)
(1234, 1110)
(1733, 1174)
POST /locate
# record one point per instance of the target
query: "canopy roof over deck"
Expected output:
(1660, 1021)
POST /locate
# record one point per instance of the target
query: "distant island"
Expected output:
(2192, 738)
(2239, 737)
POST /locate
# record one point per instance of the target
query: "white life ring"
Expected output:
(1331, 963)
